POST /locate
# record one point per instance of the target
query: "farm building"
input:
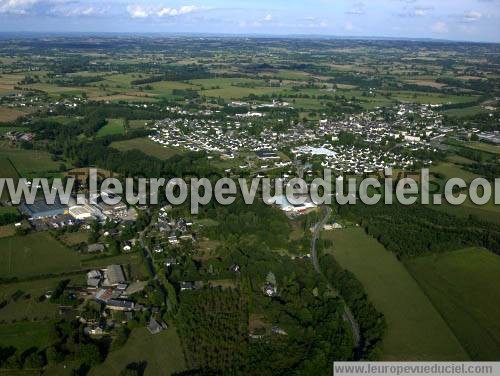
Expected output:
(113, 275)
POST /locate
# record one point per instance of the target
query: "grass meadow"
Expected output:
(463, 286)
(416, 331)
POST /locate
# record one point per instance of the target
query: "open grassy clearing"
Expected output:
(74, 238)
(162, 353)
(113, 127)
(467, 111)
(416, 331)
(463, 286)
(147, 146)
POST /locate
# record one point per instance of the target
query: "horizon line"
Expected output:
(249, 35)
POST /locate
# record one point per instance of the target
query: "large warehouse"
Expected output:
(40, 209)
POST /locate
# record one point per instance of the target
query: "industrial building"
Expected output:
(40, 209)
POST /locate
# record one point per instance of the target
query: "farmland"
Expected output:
(142, 347)
(35, 254)
(463, 286)
(23, 298)
(15, 334)
(409, 313)
(29, 163)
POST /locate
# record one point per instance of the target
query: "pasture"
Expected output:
(162, 352)
(25, 334)
(28, 306)
(463, 286)
(29, 163)
(35, 254)
(416, 331)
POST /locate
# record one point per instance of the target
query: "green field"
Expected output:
(113, 127)
(148, 147)
(25, 334)
(28, 305)
(35, 254)
(29, 163)
(416, 331)
(162, 352)
(463, 286)
(7, 170)
(489, 211)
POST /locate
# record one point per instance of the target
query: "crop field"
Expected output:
(35, 254)
(148, 147)
(463, 286)
(416, 331)
(162, 352)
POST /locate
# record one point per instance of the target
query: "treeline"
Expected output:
(482, 121)
(114, 111)
(48, 129)
(176, 73)
(8, 216)
(488, 86)
(416, 230)
(67, 343)
(372, 324)
(77, 80)
(490, 171)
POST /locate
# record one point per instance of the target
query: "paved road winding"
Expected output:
(348, 316)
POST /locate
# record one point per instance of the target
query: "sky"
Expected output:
(472, 20)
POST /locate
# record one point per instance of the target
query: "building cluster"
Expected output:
(110, 289)
(207, 135)
(87, 211)
(19, 136)
(410, 127)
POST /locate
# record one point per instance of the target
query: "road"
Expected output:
(348, 316)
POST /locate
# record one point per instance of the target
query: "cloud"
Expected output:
(358, 8)
(417, 11)
(139, 11)
(471, 16)
(348, 26)
(72, 10)
(136, 11)
(268, 18)
(440, 27)
(172, 12)
(16, 6)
